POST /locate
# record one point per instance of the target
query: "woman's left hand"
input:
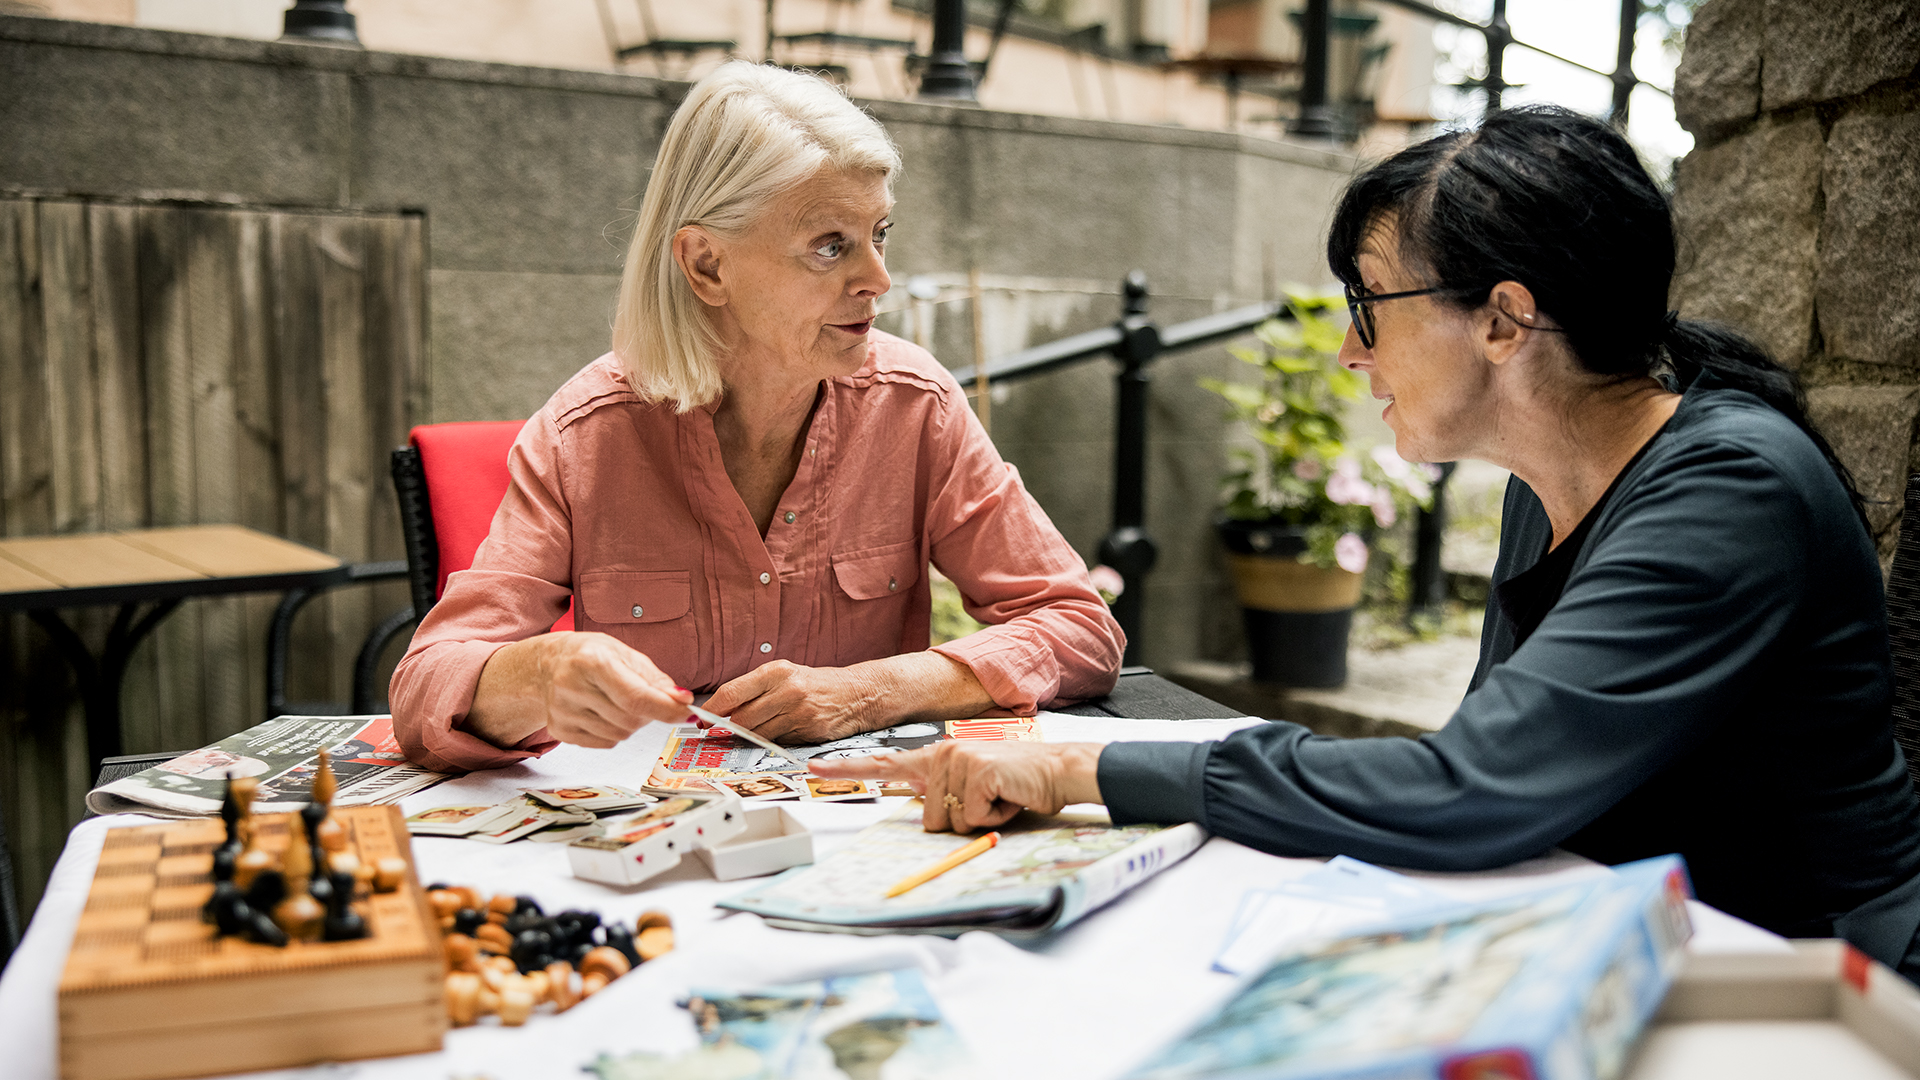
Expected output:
(785, 701)
(800, 705)
(979, 785)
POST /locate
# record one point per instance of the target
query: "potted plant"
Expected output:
(1302, 506)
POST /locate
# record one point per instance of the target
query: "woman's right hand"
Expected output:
(585, 688)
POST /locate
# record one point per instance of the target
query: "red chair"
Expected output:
(450, 480)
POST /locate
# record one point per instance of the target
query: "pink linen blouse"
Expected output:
(626, 508)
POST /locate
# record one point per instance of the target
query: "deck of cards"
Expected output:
(634, 847)
(552, 815)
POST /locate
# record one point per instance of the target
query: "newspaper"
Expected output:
(281, 753)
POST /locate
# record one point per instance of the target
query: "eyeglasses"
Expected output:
(1358, 299)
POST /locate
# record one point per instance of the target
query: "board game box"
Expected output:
(1555, 984)
(150, 992)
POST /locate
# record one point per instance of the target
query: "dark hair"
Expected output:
(1560, 203)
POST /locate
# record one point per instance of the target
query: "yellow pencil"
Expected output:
(946, 864)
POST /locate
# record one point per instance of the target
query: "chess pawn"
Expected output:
(299, 914)
(253, 858)
(342, 922)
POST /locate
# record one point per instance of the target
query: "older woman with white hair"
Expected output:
(744, 496)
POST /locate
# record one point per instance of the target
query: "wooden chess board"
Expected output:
(150, 991)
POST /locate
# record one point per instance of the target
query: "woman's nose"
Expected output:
(1354, 355)
(870, 277)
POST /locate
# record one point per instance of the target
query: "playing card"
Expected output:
(591, 797)
(450, 820)
(895, 787)
(823, 789)
(525, 816)
(765, 788)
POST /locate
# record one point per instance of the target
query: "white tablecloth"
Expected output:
(1089, 1002)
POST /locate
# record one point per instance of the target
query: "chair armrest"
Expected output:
(280, 630)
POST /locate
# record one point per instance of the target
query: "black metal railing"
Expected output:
(1135, 341)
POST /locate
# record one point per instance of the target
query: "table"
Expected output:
(1088, 1002)
(147, 572)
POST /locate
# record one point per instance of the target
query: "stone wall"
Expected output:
(1799, 212)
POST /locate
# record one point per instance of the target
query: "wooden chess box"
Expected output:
(150, 992)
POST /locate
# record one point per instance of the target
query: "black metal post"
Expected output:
(320, 22)
(1499, 34)
(1128, 548)
(1429, 585)
(949, 77)
(1315, 120)
(1623, 78)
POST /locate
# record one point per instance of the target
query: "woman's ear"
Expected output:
(698, 255)
(1506, 323)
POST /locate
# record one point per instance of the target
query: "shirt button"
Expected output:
(789, 518)
(766, 646)
(765, 578)
(892, 584)
(636, 611)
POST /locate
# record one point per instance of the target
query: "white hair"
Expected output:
(745, 135)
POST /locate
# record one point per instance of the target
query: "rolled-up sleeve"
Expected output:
(1050, 638)
(1648, 651)
(486, 607)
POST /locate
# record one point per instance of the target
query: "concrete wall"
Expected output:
(1797, 212)
(528, 176)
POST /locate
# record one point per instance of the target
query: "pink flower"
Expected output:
(1307, 469)
(1351, 553)
(1108, 580)
(1345, 487)
(1383, 511)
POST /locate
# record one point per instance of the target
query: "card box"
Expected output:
(773, 840)
(654, 840)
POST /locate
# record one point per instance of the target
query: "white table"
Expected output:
(1090, 1002)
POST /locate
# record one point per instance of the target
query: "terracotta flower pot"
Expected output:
(1298, 616)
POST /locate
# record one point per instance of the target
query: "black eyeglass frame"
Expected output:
(1363, 319)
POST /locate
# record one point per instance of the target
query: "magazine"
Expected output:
(879, 1024)
(695, 755)
(281, 753)
(1045, 874)
(1554, 983)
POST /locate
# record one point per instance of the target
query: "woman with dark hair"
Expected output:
(1686, 649)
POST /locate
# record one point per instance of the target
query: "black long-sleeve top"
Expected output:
(1713, 680)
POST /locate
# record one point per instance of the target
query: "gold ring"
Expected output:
(952, 801)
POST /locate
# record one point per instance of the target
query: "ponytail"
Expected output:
(1736, 362)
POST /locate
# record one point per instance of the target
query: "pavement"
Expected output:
(1406, 690)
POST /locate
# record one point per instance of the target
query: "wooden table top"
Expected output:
(138, 564)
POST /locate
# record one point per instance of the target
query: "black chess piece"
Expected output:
(621, 939)
(228, 910)
(263, 929)
(230, 813)
(342, 922)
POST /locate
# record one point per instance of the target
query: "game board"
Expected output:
(151, 992)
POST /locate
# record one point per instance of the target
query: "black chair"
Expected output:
(1903, 630)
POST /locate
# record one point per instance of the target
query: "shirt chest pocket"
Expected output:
(648, 610)
(879, 572)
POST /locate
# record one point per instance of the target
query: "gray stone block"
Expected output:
(503, 343)
(1824, 51)
(1871, 429)
(90, 121)
(518, 178)
(1747, 211)
(1718, 84)
(1869, 290)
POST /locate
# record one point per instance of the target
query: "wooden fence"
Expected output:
(166, 364)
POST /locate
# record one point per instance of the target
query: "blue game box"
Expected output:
(1555, 984)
